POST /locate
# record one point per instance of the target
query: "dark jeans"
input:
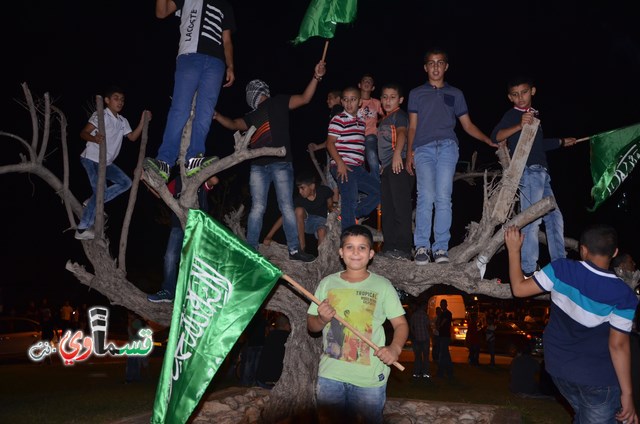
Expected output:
(421, 355)
(250, 359)
(445, 365)
(474, 354)
(397, 209)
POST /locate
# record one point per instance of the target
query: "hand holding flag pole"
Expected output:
(342, 321)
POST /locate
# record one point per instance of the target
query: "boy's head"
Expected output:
(356, 247)
(599, 240)
(333, 98)
(520, 91)
(436, 63)
(257, 91)
(306, 185)
(366, 85)
(351, 100)
(391, 97)
(114, 98)
(624, 261)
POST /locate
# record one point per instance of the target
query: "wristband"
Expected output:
(317, 77)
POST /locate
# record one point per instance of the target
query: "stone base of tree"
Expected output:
(241, 405)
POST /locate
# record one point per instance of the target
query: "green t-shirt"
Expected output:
(365, 305)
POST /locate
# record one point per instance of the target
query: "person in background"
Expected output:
(272, 356)
(370, 111)
(419, 325)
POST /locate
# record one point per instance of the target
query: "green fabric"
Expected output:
(365, 305)
(613, 156)
(222, 282)
(323, 15)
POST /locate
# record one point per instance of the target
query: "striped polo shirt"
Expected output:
(350, 133)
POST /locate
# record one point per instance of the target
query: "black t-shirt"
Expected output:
(444, 323)
(271, 120)
(318, 206)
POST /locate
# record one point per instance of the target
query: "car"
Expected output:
(535, 329)
(512, 337)
(459, 329)
(17, 335)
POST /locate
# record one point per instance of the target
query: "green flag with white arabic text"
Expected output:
(322, 16)
(221, 284)
(613, 155)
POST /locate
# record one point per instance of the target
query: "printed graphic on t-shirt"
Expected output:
(357, 308)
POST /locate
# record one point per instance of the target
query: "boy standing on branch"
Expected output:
(270, 117)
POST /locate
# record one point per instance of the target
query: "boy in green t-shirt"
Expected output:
(352, 378)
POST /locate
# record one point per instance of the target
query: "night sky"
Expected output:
(583, 56)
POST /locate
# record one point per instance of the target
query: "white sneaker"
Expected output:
(86, 234)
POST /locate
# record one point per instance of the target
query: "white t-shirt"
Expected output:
(116, 127)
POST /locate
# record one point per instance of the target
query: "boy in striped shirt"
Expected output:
(586, 342)
(345, 144)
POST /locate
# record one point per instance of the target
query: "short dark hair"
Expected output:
(435, 50)
(367, 75)
(356, 230)
(393, 86)
(600, 239)
(112, 89)
(350, 88)
(619, 259)
(306, 179)
(335, 93)
(519, 80)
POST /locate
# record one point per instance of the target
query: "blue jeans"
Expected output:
(172, 259)
(343, 402)
(421, 356)
(435, 165)
(371, 153)
(535, 184)
(358, 181)
(260, 179)
(591, 404)
(312, 223)
(195, 72)
(120, 183)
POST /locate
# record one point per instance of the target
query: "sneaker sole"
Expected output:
(151, 166)
(421, 262)
(84, 237)
(194, 171)
(160, 300)
(442, 260)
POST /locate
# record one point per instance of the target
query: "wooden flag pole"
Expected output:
(582, 139)
(341, 320)
(324, 53)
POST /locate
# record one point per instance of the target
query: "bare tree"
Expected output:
(293, 395)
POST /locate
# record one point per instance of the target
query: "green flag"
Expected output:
(613, 156)
(221, 284)
(323, 15)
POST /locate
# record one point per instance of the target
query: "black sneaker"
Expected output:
(163, 296)
(195, 165)
(422, 256)
(298, 255)
(160, 167)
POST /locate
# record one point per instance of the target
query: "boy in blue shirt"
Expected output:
(586, 342)
(535, 183)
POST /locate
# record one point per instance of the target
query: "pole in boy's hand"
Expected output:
(324, 53)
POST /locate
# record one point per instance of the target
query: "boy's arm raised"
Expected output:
(298, 100)
(165, 8)
(520, 286)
